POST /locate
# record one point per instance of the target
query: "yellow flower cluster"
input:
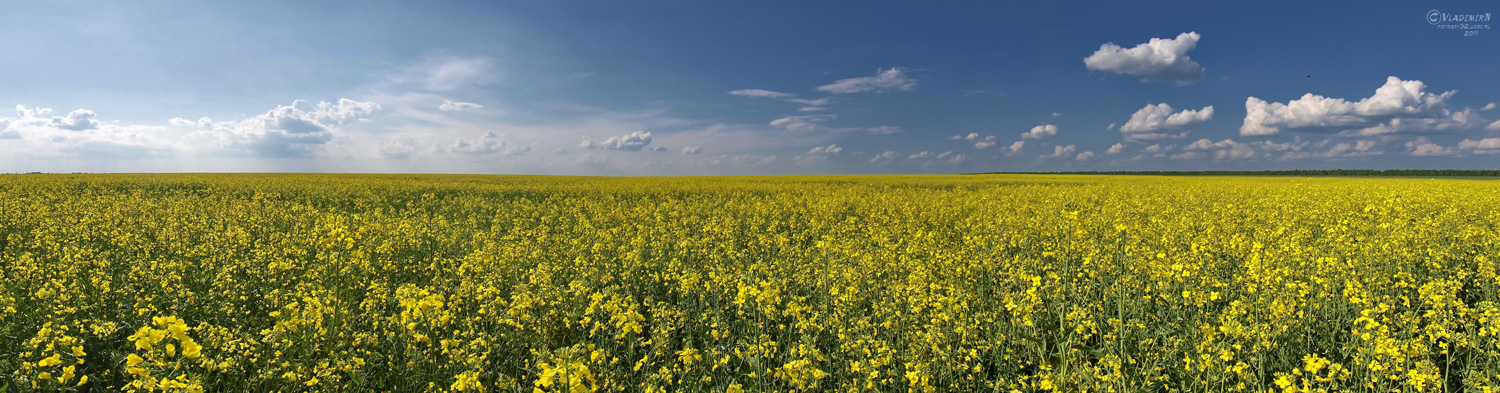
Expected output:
(170, 353)
(763, 284)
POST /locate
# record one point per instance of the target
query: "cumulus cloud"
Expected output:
(1159, 60)
(980, 143)
(77, 120)
(1425, 148)
(1062, 151)
(1222, 150)
(1116, 149)
(1399, 106)
(1158, 148)
(882, 158)
(398, 148)
(759, 93)
(1488, 107)
(1229, 149)
(657, 148)
(952, 158)
(1154, 122)
(81, 134)
(1084, 156)
(634, 141)
(1015, 148)
(290, 130)
(449, 105)
(486, 144)
(690, 150)
(887, 79)
(918, 156)
(1481, 146)
(1040, 132)
(201, 122)
(830, 149)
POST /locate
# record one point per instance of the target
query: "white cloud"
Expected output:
(634, 141)
(759, 93)
(1488, 107)
(1056, 114)
(1482, 146)
(1116, 149)
(449, 105)
(1154, 122)
(807, 104)
(830, 149)
(1111, 127)
(888, 79)
(690, 150)
(488, 143)
(1207, 144)
(1229, 149)
(1040, 132)
(80, 134)
(1062, 151)
(980, 143)
(918, 156)
(806, 123)
(882, 158)
(451, 73)
(1084, 156)
(24, 113)
(398, 148)
(201, 122)
(289, 130)
(1341, 149)
(817, 102)
(1159, 60)
(657, 148)
(1015, 148)
(952, 158)
(1221, 150)
(1157, 148)
(812, 123)
(1425, 148)
(1397, 107)
(77, 120)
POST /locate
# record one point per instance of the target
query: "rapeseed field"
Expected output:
(747, 284)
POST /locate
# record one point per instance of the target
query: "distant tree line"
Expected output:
(1296, 172)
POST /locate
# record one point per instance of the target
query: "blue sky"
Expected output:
(688, 88)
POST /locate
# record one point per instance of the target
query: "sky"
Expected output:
(662, 88)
